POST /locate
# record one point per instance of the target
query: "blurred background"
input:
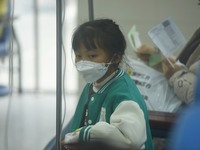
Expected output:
(28, 115)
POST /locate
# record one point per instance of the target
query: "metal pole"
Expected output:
(91, 10)
(15, 38)
(58, 72)
(36, 30)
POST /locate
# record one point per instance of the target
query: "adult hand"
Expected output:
(145, 51)
(170, 69)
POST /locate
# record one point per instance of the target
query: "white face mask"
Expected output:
(91, 71)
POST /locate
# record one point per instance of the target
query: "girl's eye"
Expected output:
(92, 56)
(78, 56)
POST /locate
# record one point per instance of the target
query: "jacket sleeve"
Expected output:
(184, 81)
(127, 128)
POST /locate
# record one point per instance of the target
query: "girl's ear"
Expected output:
(117, 58)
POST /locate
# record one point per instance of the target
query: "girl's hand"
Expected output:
(71, 137)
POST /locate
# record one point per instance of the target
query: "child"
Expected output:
(110, 110)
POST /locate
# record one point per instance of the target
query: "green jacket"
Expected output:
(100, 106)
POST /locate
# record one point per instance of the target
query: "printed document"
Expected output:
(167, 37)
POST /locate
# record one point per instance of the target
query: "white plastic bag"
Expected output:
(153, 85)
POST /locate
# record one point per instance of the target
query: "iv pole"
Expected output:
(59, 66)
(91, 10)
(58, 72)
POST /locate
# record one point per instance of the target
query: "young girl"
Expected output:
(110, 110)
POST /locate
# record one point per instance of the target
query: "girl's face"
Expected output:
(97, 55)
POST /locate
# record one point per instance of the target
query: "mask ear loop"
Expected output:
(110, 62)
(114, 57)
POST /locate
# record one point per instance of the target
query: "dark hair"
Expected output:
(102, 33)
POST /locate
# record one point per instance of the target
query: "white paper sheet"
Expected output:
(167, 37)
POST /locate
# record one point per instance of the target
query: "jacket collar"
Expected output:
(118, 74)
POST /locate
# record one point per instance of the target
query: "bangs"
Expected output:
(89, 37)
